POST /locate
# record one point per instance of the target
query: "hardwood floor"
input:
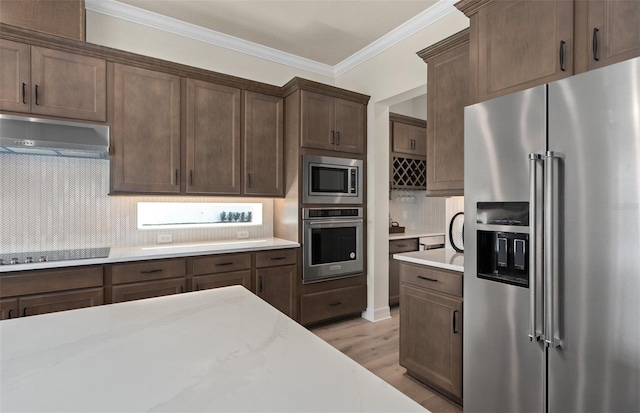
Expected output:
(375, 346)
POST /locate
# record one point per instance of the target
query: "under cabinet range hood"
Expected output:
(35, 136)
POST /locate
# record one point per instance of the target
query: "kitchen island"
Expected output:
(221, 350)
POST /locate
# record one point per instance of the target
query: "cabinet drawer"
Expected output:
(276, 258)
(68, 300)
(403, 245)
(8, 308)
(221, 263)
(206, 282)
(150, 289)
(329, 304)
(148, 270)
(445, 281)
(43, 281)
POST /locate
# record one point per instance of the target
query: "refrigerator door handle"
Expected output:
(550, 256)
(534, 159)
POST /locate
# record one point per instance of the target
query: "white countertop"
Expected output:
(222, 350)
(150, 252)
(414, 234)
(445, 258)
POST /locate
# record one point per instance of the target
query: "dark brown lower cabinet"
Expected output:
(206, 282)
(60, 301)
(431, 327)
(8, 308)
(148, 289)
(397, 246)
(330, 304)
(276, 285)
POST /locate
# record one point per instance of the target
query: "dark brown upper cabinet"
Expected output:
(447, 95)
(263, 145)
(146, 131)
(408, 135)
(212, 138)
(517, 44)
(43, 81)
(60, 17)
(332, 123)
(607, 32)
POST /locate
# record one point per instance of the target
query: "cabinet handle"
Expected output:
(176, 176)
(197, 287)
(24, 312)
(594, 44)
(182, 288)
(223, 263)
(333, 137)
(337, 138)
(150, 271)
(455, 322)
(335, 303)
(260, 284)
(427, 279)
(24, 93)
(10, 311)
(562, 43)
(190, 177)
(277, 258)
(37, 95)
(248, 180)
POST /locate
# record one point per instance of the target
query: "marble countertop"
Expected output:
(414, 234)
(150, 252)
(221, 350)
(445, 258)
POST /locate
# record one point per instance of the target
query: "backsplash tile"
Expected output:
(422, 213)
(51, 203)
(454, 204)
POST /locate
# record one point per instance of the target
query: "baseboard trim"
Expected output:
(377, 314)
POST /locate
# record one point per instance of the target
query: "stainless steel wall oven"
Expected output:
(332, 243)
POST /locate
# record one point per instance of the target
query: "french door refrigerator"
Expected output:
(552, 247)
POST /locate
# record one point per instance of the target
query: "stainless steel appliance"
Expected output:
(552, 247)
(58, 255)
(331, 180)
(332, 245)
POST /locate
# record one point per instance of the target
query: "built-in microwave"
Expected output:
(331, 180)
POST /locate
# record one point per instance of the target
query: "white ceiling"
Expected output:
(323, 31)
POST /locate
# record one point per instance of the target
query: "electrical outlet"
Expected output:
(165, 238)
(243, 234)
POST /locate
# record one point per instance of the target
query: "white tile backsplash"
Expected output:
(413, 210)
(454, 204)
(50, 203)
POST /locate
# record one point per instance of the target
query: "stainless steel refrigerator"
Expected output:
(552, 247)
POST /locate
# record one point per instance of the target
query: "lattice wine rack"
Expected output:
(409, 173)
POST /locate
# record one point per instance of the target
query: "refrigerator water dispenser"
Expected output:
(504, 257)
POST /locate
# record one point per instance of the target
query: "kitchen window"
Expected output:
(157, 215)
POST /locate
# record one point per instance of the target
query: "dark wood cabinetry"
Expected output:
(147, 279)
(408, 151)
(212, 138)
(431, 327)
(395, 247)
(43, 81)
(276, 274)
(146, 131)
(221, 271)
(326, 305)
(332, 123)
(447, 95)
(45, 291)
(263, 145)
(606, 32)
(59, 17)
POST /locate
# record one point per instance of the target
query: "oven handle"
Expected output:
(335, 221)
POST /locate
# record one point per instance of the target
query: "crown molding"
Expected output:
(431, 15)
(126, 12)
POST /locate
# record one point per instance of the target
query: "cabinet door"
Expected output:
(148, 289)
(225, 279)
(213, 138)
(447, 95)
(349, 126)
(409, 139)
(60, 301)
(15, 63)
(146, 131)
(276, 286)
(615, 24)
(519, 45)
(9, 308)
(263, 145)
(431, 337)
(68, 85)
(318, 130)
